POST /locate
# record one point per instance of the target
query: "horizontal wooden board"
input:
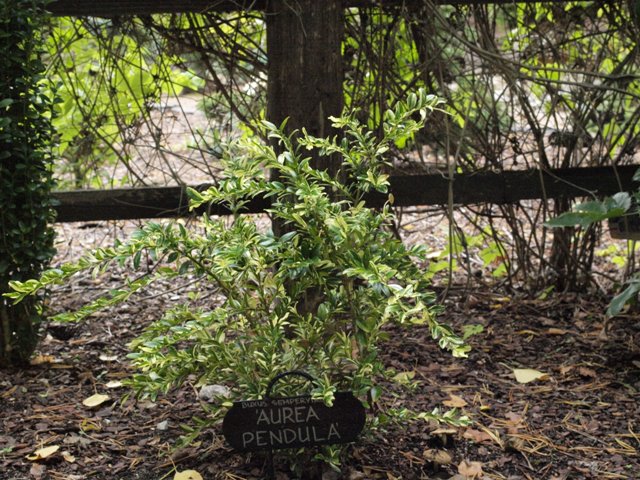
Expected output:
(111, 8)
(414, 190)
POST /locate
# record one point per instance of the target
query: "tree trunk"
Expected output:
(572, 252)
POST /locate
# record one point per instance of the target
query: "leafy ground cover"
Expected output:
(576, 417)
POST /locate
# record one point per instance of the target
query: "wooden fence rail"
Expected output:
(408, 190)
(483, 187)
(112, 8)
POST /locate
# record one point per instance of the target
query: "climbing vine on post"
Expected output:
(26, 240)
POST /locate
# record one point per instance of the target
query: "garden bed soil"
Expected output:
(581, 420)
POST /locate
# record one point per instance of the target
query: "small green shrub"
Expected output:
(316, 298)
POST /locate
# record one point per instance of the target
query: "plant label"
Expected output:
(293, 422)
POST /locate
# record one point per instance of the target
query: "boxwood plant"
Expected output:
(317, 298)
(26, 138)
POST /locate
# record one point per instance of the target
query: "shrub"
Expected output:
(316, 298)
(25, 171)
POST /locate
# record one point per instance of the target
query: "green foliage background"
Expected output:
(109, 76)
(539, 85)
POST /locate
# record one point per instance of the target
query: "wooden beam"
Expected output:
(133, 203)
(414, 190)
(304, 72)
(112, 8)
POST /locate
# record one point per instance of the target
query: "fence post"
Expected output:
(304, 41)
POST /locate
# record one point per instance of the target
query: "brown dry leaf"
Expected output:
(40, 359)
(470, 470)
(526, 375)
(187, 475)
(514, 418)
(477, 436)
(95, 400)
(564, 369)
(455, 401)
(556, 331)
(37, 471)
(527, 332)
(587, 372)
(440, 457)
(514, 422)
(43, 453)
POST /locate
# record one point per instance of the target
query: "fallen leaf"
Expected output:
(439, 457)
(514, 422)
(527, 332)
(587, 372)
(43, 453)
(444, 431)
(404, 378)
(40, 359)
(187, 475)
(526, 375)
(564, 369)
(114, 384)
(108, 358)
(37, 471)
(68, 457)
(74, 439)
(477, 436)
(95, 400)
(557, 331)
(514, 418)
(455, 401)
(213, 393)
(469, 469)
(87, 425)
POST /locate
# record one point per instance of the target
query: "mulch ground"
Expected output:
(580, 420)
